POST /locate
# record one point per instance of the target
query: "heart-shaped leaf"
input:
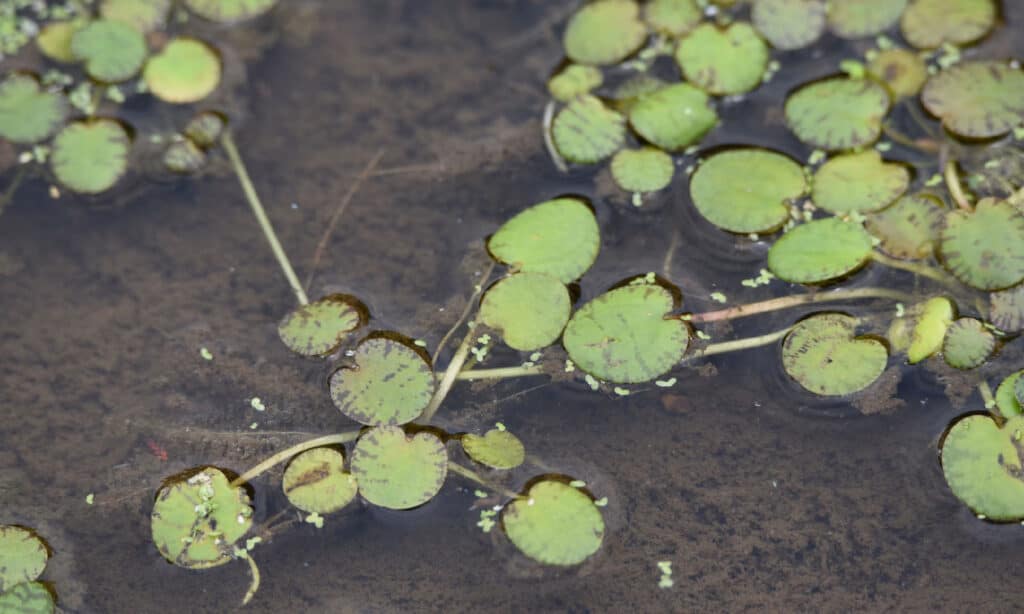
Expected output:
(673, 117)
(396, 471)
(186, 70)
(319, 328)
(858, 182)
(112, 51)
(903, 72)
(390, 383)
(530, 310)
(90, 156)
(977, 99)
(822, 355)
(982, 465)
(642, 170)
(909, 228)
(604, 32)
(838, 113)
(983, 248)
(496, 448)
(724, 61)
(930, 23)
(819, 251)
(554, 524)
(316, 481)
(27, 114)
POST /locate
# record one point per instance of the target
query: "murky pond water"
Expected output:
(762, 498)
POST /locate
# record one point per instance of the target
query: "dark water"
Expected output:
(762, 497)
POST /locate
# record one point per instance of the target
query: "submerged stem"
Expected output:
(556, 158)
(473, 476)
(741, 344)
(785, 302)
(955, 189)
(283, 455)
(465, 312)
(918, 268)
(499, 373)
(261, 217)
(448, 379)
(254, 585)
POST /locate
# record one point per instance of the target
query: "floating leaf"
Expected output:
(1006, 309)
(902, 71)
(930, 23)
(319, 328)
(747, 190)
(624, 336)
(723, 61)
(858, 182)
(22, 556)
(822, 355)
(983, 248)
(909, 228)
(54, 40)
(673, 117)
(28, 115)
(673, 17)
(89, 156)
(968, 344)
(554, 524)
(316, 481)
(389, 384)
(982, 465)
(642, 170)
(229, 11)
(838, 113)
(1007, 399)
(977, 99)
(184, 157)
(789, 24)
(27, 598)
(930, 330)
(195, 522)
(143, 15)
(530, 310)
(496, 448)
(635, 88)
(604, 32)
(819, 251)
(860, 18)
(112, 51)
(396, 471)
(205, 129)
(559, 237)
(574, 80)
(185, 71)
(586, 131)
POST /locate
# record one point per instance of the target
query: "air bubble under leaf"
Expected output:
(910, 227)
(819, 251)
(930, 329)
(1006, 309)
(968, 344)
(186, 70)
(22, 556)
(1007, 399)
(860, 18)
(27, 598)
(642, 170)
(554, 524)
(982, 465)
(396, 471)
(838, 113)
(496, 448)
(195, 522)
(673, 117)
(586, 131)
(723, 61)
(559, 237)
(822, 354)
(747, 190)
(390, 383)
(28, 114)
(930, 23)
(112, 51)
(529, 309)
(319, 327)
(672, 17)
(316, 481)
(604, 32)
(983, 248)
(789, 24)
(143, 15)
(229, 11)
(626, 336)
(89, 156)
(903, 72)
(977, 99)
(574, 80)
(860, 182)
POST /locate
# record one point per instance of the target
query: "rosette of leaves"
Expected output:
(927, 24)
(397, 471)
(860, 18)
(981, 461)
(858, 182)
(603, 33)
(789, 24)
(317, 329)
(90, 156)
(29, 114)
(822, 354)
(723, 61)
(977, 99)
(983, 248)
(554, 524)
(820, 250)
(837, 113)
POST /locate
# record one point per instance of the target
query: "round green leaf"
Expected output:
(858, 182)
(496, 448)
(903, 72)
(229, 11)
(530, 310)
(22, 556)
(27, 598)
(909, 228)
(968, 344)
(822, 355)
(113, 51)
(316, 481)
(930, 23)
(554, 524)
(574, 80)
(586, 131)
(984, 249)
(319, 328)
(1006, 309)
(185, 71)
(89, 156)
(673, 17)
(723, 61)
(604, 32)
(28, 115)
(559, 237)
(838, 113)
(673, 117)
(54, 40)
(1007, 399)
(819, 251)
(396, 471)
(982, 465)
(390, 383)
(143, 15)
(860, 18)
(625, 336)
(195, 522)
(642, 170)
(747, 190)
(789, 24)
(977, 99)
(930, 330)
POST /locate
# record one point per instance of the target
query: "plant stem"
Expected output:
(473, 476)
(261, 217)
(990, 401)
(785, 302)
(556, 158)
(448, 379)
(741, 344)
(955, 189)
(283, 455)
(255, 584)
(915, 267)
(499, 373)
(465, 312)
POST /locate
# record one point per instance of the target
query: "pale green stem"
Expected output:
(915, 267)
(448, 379)
(990, 401)
(785, 302)
(473, 476)
(261, 217)
(741, 344)
(254, 585)
(955, 189)
(465, 312)
(500, 373)
(549, 114)
(283, 455)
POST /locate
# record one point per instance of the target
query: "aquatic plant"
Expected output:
(23, 557)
